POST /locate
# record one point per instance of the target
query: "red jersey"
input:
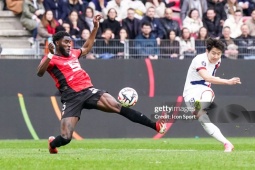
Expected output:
(67, 72)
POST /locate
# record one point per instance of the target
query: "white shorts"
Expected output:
(203, 94)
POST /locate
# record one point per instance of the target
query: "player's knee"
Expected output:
(207, 96)
(115, 106)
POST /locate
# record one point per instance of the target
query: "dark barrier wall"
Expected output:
(157, 83)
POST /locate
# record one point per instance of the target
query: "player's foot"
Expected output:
(51, 150)
(161, 125)
(228, 147)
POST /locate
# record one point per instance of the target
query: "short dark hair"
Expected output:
(146, 24)
(214, 43)
(59, 35)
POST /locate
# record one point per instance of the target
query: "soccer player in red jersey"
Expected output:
(76, 88)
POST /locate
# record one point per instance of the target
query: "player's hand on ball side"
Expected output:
(234, 80)
(51, 47)
(96, 20)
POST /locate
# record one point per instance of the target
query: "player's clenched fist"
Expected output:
(51, 47)
(234, 80)
(96, 20)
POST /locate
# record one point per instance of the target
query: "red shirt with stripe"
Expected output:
(67, 72)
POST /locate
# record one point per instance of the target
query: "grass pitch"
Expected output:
(133, 154)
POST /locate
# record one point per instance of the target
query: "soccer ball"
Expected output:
(128, 97)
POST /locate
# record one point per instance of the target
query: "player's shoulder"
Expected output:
(200, 58)
(75, 52)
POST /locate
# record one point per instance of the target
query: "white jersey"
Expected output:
(193, 80)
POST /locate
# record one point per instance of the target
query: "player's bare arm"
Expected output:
(217, 80)
(89, 43)
(45, 63)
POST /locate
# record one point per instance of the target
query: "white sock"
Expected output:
(211, 129)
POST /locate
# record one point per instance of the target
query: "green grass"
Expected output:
(133, 154)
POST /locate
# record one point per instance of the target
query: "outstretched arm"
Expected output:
(45, 63)
(85, 49)
(217, 80)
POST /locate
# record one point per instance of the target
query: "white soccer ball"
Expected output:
(128, 97)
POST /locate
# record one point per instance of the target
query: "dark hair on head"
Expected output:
(212, 9)
(107, 29)
(185, 28)
(60, 28)
(59, 35)
(193, 9)
(146, 24)
(131, 9)
(88, 7)
(214, 43)
(238, 10)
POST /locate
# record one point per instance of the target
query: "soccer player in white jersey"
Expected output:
(197, 91)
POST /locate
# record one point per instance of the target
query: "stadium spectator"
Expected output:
(231, 48)
(187, 44)
(98, 6)
(30, 17)
(246, 44)
(156, 27)
(169, 24)
(84, 37)
(87, 17)
(170, 48)
(47, 26)
(158, 5)
(15, 6)
(59, 9)
(218, 6)
(105, 47)
(145, 43)
(200, 41)
(120, 44)
(235, 23)
(76, 25)
(75, 5)
(193, 22)
(211, 21)
(66, 26)
(111, 23)
(131, 24)
(247, 6)
(230, 7)
(187, 5)
(120, 6)
(138, 7)
(251, 23)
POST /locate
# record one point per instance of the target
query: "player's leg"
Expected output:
(67, 127)
(108, 103)
(71, 112)
(202, 100)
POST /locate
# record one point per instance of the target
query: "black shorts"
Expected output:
(85, 99)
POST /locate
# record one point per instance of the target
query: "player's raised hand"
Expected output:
(234, 80)
(96, 20)
(51, 47)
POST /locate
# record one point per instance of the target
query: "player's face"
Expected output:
(65, 46)
(214, 55)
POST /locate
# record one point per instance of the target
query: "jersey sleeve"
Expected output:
(76, 52)
(199, 64)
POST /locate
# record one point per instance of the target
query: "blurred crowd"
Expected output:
(175, 29)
